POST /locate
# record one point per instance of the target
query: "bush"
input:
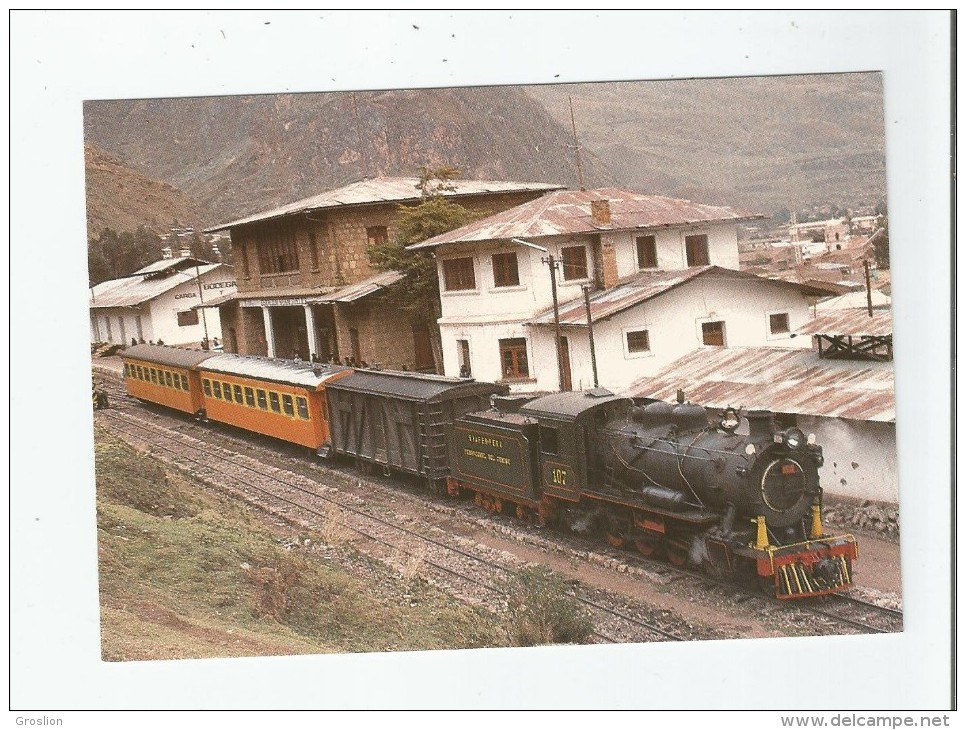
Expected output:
(541, 611)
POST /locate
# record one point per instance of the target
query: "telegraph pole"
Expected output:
(553, 263)
(868, 287)
(590, 332)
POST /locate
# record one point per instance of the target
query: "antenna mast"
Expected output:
(573, 125)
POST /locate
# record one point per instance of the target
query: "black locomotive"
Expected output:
(661, 477)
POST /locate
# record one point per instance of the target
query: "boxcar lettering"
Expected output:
(559, 477)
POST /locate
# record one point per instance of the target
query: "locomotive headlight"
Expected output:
(750, 449)
(793, 438)
(811, 439)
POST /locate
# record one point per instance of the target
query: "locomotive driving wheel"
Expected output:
(646, 546)
(677, 553)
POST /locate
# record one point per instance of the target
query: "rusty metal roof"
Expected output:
(137, 289)
(569, 405)
(384, 190)
(292, 372)
(414, 386)
(640, 288)
(785, 380)
(568, 212)
(360, 289)
(852, 322)
(182, 262)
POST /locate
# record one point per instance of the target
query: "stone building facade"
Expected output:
(307, 289)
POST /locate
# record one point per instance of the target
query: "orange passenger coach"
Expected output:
(164, 375)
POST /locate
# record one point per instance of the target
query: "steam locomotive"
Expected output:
(740, 497)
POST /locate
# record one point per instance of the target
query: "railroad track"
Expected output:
(464, 571)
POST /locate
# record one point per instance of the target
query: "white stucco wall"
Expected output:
(159, 316)
(860, 457)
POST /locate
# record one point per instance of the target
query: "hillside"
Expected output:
(760, 142)
(124, 199)
(239, 155)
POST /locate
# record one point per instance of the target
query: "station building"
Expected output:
(165, 301)
(307, 289)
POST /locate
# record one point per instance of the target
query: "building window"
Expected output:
(712, 333)
(277, 252)
(458, 274)
(696, 248)
(513, 358)
(186, 319)
(778, 323)
(463, 353)
(505, 272)
(314, 250)
(377, 235)
(646, 252)
(574, 263)
(638, 341)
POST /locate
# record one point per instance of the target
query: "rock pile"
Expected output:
(868, 516)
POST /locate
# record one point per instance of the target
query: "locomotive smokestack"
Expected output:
(761, 424)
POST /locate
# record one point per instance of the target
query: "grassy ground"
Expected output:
(185, 573)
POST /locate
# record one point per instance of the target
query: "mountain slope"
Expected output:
(124, 199)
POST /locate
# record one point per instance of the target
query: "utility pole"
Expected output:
(553, 263)
(201, 298)
(590, 332)
(868, 287)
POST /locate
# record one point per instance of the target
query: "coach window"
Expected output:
(206, 386)
(238, 394)
(177, 381)
(549, 443)
(273, 400)
(249, 397)
(184, 382)
(216, 388)
(262, 399)
(137, 372)
(126, 373)
(167, 379)
(154, 376)
(287, 405)
(226, 390)
(303, 406)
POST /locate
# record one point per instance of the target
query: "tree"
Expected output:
(112, 254)
(418, 293)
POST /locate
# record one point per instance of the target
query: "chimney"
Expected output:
(166, 253)
(608, 257)
(600, 212)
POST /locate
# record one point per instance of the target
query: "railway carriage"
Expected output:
(278, 398)
(398, 420)
(164, 375)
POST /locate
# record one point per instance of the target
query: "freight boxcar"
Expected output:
(398, 420)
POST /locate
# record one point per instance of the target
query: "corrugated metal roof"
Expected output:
(413, 386)
(853, 322)
(217, 301)
(292, 372)
(163, 355)
(856, 300)
(134, 290)
(569, 211)
(785, 380)
(384, 190)
(360, 289)
(172, 263)
(640, 288)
